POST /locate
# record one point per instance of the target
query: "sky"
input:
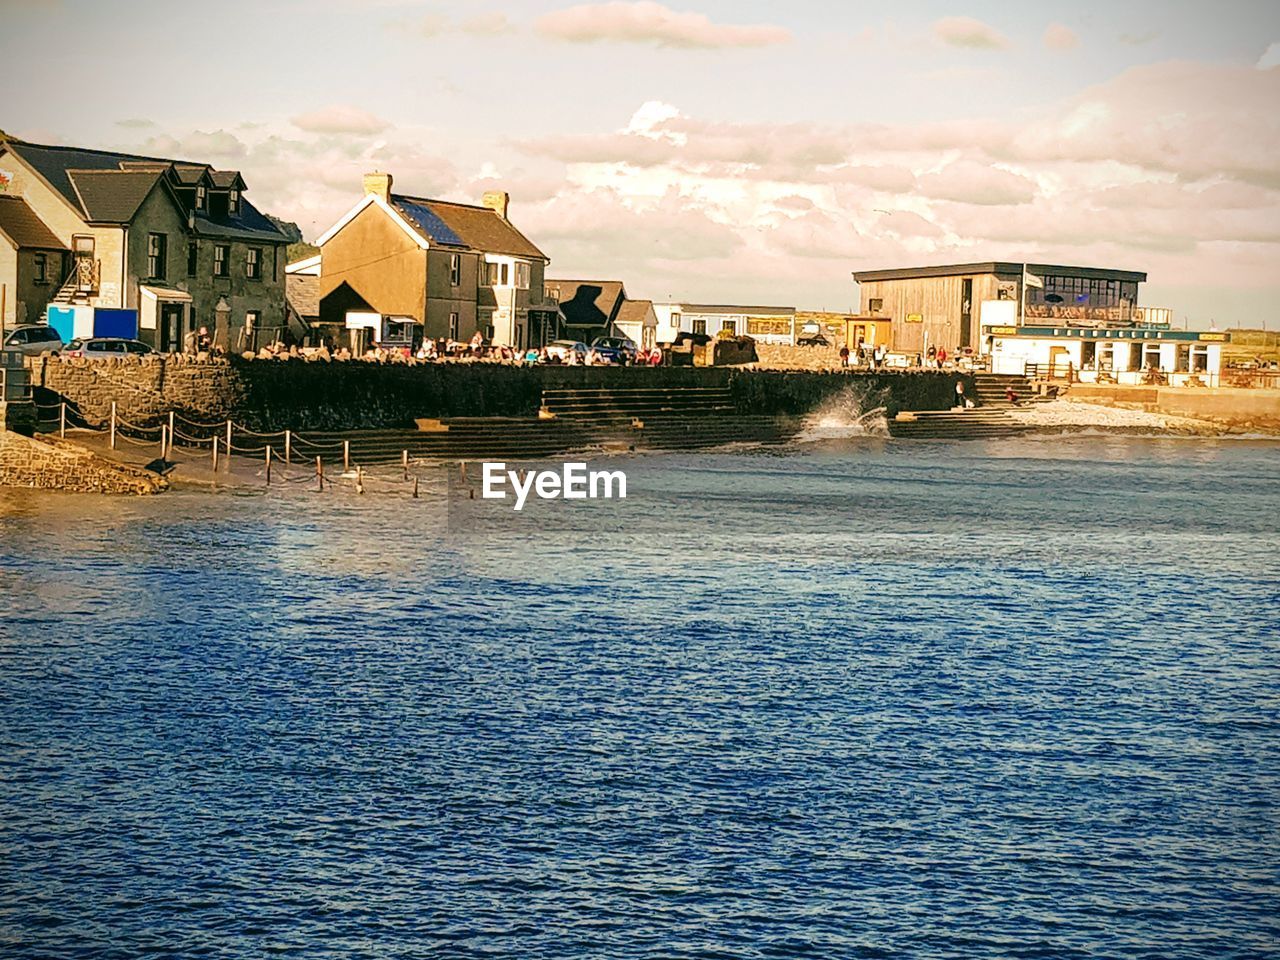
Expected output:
(716, 151)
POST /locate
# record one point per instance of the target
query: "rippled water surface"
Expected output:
(851, 700)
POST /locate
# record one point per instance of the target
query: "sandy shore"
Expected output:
(1076, 415)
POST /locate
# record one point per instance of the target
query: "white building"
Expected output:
(766, 324)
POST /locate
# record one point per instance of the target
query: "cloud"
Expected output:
(1138, 39)
(966, 32)
(493, 23)
(1271, 58)
(197, 146)
(340, 118)
(648, 22)
(974, 182)
(135, 123)
(1057, 36)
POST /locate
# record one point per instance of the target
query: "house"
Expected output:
(173, 243)
(449, 269)
(767, 324)
(943, 306)
(588, 308)
(302, 298)
(638, 322)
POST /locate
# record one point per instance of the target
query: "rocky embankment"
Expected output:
(1070, 416)
(51, 463)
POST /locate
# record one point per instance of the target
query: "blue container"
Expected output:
(63, 321)
(115, 323)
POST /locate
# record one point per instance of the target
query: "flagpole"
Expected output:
(1022, 306)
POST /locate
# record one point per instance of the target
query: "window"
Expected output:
(193, 258)
(675, 320)
(730, 325)
(202, 197)
(497, 274)
(41, 268)
(700, 325)
(221, 266)
(157, 255)
(455, 269)
(251, 323)
(875, 304)
(253, 263)
(233, 202)
(522, 275)
(453, 326)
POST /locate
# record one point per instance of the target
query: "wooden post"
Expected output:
(346, 455)
(288, 445)
(113, 424)
(164, 443)
(268, 464)
(359, 480)
(228, 442)
(62, 419)
(319, 475)
(415, 488)
(215, 453)
(171, 431)
(404, 461)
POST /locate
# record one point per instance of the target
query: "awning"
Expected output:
(172, 294)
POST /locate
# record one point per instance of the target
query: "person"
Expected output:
(961, 399)
(204, 342)
(942, 357)
(878, 355)
(477, 342)
(655, 357)
(844, 355)
(932, 355)
(1011, 396)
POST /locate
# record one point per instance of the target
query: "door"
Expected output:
(966, 311)
(170, 332)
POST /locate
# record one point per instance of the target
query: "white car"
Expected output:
(98, 347)
(33, 339)
(560, 349)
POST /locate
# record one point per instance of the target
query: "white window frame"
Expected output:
(455, 269)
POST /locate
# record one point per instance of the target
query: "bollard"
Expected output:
(163, 443)
(415, 488)
(215, 453)
(462, 468)
(268, 465)
(113, 424)
(404, 461)
(346, 456)
(62, 419)
(171, 431)
(359, 480)
(288, 444)
(228, 441)
(319, 475)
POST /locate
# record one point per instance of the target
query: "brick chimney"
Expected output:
(497, 201)
(379, 184)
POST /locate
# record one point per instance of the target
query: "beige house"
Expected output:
(176, 242)
(451, 268)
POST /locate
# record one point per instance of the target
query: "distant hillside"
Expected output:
(300, 251)
(288, 228)
(1247, 344)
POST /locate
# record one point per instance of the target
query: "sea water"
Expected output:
(847, 699)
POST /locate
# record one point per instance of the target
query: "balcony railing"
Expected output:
(1094, 316)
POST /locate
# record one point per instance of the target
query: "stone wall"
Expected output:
(784, 356)
(1236, 407)
(53, 464)
(301, 395)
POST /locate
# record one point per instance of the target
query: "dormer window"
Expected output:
(202, 197)
(233, 202)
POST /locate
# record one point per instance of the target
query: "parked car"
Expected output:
(813, 340)
(684, 339)
(563, 349)
(33, 339)
(613, 350)
(99, 347)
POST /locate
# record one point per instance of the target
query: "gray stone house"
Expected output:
(176, 241)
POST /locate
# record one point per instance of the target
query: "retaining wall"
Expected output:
(318, 395)
(54, 464)
(1236, 407)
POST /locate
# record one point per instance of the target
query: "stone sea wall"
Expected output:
(54, 464)
(311, 395)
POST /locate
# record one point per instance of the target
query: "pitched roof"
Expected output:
(302, 292)
(226, 179)
(997, 267)
(20, 224)
(635, 311)
(729, 308)
(463, 225)
(66, 168)
(587, 303)
(112, 196)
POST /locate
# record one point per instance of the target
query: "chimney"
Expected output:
(379, 184)
(497, 201)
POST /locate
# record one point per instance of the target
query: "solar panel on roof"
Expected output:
(431, 224)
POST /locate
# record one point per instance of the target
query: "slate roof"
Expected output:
(588, 303)
(109, 182)
(463, 225)
(226, 179)
(112, 196)
(303, 294)
(20, 224)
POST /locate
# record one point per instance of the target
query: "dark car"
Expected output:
(613, 350)
(684, 340)
(813, 340)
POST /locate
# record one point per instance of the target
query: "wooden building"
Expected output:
(942, 306)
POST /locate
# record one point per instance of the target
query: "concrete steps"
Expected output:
(628, 402)
(979, 423)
